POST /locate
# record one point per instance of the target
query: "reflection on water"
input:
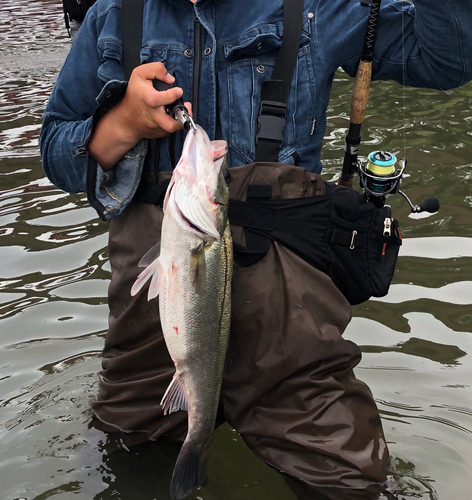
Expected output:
(53, 315)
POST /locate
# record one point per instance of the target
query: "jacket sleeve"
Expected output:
(67, 121)
(79, 98)
(425, 44)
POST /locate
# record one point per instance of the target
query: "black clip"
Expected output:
(271, 122)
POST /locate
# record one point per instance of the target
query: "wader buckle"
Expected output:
(271, 122)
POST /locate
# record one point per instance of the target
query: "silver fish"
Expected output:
(192, 276)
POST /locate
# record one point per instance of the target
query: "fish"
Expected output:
(191, 272)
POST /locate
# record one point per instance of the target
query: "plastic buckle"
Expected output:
(271, 122)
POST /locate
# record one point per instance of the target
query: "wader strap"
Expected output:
(250, 215)
(269, 139)
(274, 94)
(132, 32)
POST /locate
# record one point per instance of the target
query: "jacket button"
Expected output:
(188, 52)
(207, 51)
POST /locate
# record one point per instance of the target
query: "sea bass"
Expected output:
(192, 275)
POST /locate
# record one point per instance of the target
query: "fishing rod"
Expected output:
(380, 176)
(360, 98)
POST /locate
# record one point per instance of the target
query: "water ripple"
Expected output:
(416, 342)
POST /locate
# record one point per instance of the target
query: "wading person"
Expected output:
(290, 391)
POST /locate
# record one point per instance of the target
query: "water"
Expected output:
(417, 341)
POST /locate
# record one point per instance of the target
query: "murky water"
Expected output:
(417, 341)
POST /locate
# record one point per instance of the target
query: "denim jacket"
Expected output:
(428, 44)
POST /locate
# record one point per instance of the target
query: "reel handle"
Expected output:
(430, 205)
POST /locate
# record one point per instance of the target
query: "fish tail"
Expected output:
(190, 469)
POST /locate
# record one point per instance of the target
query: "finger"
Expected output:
(167, 127)
(188, 105)
(164, 123)
(155, 98)
(154, 70)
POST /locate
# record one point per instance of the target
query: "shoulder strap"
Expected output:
(131, 34)
(274, 94)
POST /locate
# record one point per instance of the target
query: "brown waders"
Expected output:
(290, 393)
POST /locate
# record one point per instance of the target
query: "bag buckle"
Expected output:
(271, 122)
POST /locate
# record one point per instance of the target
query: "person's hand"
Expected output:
(140, 115)
(142, 112)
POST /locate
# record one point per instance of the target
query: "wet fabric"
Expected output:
(290, 391)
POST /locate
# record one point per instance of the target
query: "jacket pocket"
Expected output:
(111, 57)
(249, 61)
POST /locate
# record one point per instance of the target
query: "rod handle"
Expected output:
(360, 92)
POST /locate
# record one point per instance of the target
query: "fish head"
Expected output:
(198, 186)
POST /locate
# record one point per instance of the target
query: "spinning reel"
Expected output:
(381, 176)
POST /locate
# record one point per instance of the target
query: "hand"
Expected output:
(142, 111)
(140, 115)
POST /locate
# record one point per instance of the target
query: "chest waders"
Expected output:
(291, 392)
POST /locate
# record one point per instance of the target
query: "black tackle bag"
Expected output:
(339, 233)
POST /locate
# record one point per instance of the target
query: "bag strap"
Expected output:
(275, 91)
(131, 34)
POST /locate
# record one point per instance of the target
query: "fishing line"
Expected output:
(380, 176)
(403, 83)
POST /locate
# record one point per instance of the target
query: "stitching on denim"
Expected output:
(112, 210)
(136, 170)
(111, 194)
(315, 36)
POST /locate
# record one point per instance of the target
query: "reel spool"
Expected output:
(381, 177)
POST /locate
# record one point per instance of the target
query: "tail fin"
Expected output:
(189, 470)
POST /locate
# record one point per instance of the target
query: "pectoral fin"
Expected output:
(150, 256)
(197, 268)
(153, 272)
